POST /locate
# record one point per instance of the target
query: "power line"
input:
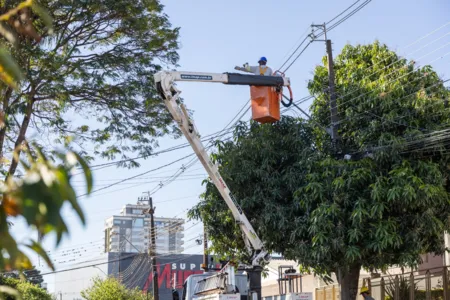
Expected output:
(284, 58)
(144, 173)
(301, 52)
(348, 16)
(292, 54)
(343, 12)
(390, 81)
(108, 262)
(337, 23)
(393, 79)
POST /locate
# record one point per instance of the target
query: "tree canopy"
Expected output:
(25, 289)
(386, 205)
(70, 62)
(90, 62)
(112, 289)
(31, 275)
(91, 79)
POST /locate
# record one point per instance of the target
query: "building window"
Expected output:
(139, 222)
(116, 222)
(137, 212)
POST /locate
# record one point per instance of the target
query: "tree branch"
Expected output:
(21, 137)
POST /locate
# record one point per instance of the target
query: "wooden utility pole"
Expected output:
(332, 93)
(152, 248)
(331, 88)
(153, 251)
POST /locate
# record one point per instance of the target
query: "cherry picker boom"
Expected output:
(266, 91)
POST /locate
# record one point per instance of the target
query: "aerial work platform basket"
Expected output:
(265, 101)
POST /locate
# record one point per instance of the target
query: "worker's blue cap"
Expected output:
(262, 59)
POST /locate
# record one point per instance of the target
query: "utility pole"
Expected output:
(152, 248)
(331, 87)
(205, 250)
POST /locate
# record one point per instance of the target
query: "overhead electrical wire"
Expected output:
(171, 178)
(163, 230)
(393, 79)
(413, 43)
(313, 36)
(108, 262)
(404, 116)
(400, 58)
(138, 175)
(346, 17)
(390, 81)
(227, 129)
(294, 47)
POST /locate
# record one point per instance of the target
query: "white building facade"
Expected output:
(131, 231)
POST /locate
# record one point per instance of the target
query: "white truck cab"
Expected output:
(191, 282)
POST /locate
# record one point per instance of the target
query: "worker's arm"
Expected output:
(247, 68)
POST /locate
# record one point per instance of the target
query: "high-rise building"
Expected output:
(131, 231)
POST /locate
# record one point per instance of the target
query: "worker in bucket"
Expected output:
(365, 293)
(262, 69)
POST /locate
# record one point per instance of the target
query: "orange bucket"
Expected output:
(265, 104)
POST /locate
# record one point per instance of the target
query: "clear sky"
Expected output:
(217, 35)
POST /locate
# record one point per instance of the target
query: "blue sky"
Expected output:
(217, 35)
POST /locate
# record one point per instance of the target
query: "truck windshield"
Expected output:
(191, 282)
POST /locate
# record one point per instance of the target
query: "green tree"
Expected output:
(111, 289)
(34, 276)
(31, 275)
(386, 206)
(95, 69)
(263, 167)
(40, 193)
(91, 79)
(27, 290)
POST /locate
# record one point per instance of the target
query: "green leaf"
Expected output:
(10, 72)
(36, 247)
(10, 291)
(87, 173)
(44, 15)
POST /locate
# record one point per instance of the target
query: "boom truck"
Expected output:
(266, 95)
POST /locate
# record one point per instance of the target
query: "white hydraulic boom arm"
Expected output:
(165, 84)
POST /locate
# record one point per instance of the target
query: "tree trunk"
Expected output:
(349, 283)
(20, 138)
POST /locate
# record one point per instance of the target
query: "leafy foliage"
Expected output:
(95, 70)
(111, 289)
(18, 21)
(387, 206)
(34, 276)
(392, 207)
(263, 167)
(31, 275)
(38, 197)
(404, 287)
(98, 66)
(26, 290)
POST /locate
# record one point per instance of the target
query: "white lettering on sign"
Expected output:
(182, 266)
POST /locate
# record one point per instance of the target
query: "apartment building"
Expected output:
(130, 231)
